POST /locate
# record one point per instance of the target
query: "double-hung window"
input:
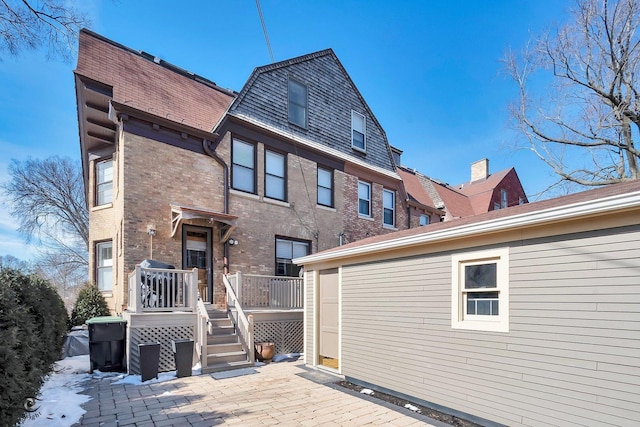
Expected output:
(104, 182)
(104, 265)
(358, 131)
(275, 165)
(325, 187)
(504, 200)
(480, 290)
(243, 158)
(364, 199)
(389, 208)
(297, 103)
(286, 250)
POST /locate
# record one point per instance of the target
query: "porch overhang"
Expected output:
(180, 213)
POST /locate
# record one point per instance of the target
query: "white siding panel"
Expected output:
(571, 356)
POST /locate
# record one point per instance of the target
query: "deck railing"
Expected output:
(270, 292)
(243, 323)
(158, 289)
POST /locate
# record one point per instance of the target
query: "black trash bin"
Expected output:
(183, 356)
(107, 343)
(149, 360)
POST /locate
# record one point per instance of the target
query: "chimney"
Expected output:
(480, 170)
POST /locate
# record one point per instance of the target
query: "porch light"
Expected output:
(233, 242)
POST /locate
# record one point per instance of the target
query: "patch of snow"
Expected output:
(412, 408)
(60, 399)
(367, 391)
(289, 357)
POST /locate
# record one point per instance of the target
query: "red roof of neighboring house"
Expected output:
(414, 188)
(150, 84)
(481, 192)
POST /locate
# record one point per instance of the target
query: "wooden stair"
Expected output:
(224, 349)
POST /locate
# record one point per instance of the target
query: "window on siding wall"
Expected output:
(358, 131)
(325, 187)
(104, 182)
(389, 208)
(104, 265)
(243, 166)
(275, 183)
(286, 250)
(424, 220)
(297, 103)
(364, 199)
(480, 290)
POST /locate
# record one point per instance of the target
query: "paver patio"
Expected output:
(277, 394)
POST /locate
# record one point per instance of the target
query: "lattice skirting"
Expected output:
(162, 334)
(286, 334)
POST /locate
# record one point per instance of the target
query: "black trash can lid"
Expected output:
(105, 319)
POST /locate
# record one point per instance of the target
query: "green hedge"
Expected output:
(33, 324)
(90, 303)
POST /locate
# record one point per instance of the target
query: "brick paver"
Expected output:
(278, 394)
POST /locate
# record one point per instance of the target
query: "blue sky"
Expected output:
(429, 70)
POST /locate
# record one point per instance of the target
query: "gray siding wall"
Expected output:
(309, 323)
(331, 97)
(571, 357)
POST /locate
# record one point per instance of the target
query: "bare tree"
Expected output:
(9, 261)
(63, 272)
(29, 24)
(586, 123)
(47, 200)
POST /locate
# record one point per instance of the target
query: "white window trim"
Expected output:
(364, 124)
(459, 320)
(100, 268)
(393, 208)
(361, 215)
(104, 183)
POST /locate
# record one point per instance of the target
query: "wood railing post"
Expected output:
(250, 338)
(239, 287)
(137, 289)
(193, 289)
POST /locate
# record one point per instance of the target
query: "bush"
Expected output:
(90, 303)
(33, 323)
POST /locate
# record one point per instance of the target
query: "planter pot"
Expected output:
(265, 351)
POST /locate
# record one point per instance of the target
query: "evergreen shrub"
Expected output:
(90, 303)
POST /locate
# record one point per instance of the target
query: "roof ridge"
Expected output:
(161, 62)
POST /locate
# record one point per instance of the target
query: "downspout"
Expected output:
(209, 148)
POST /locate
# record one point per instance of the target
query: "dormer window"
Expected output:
(504, 201)
(358, 131)
(297, 104)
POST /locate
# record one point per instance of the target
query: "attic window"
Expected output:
(358, 131)
(297, 104)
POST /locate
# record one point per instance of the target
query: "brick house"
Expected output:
(483, 193)
(180, 170)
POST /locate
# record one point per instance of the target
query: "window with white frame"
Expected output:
(104, 182)
(424, 219)
(287, 250)
(275, 183)
(243, 160)
(104, 265)
(389, 208)
(297, 103)
(480, 290)
(325, 187)
(504, 201)
(364, 199)
(358, 131)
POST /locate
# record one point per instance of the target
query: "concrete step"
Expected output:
(224, 348)
(232, 356)
(219, 367)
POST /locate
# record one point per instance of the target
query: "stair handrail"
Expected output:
(244, 324)
(202, 327)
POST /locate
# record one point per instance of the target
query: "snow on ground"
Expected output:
(60, 399)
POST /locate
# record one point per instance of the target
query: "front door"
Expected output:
(196, 252)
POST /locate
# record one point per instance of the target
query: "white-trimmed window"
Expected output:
(243, 160)
(480, 290)
(358, 131)
(297, 103)
(287, 250)
(104, 266)
(389, 208)
(275, 183)
(325, 187)
(104, 182)
(504, 200)
(364, 199)
(424, 219)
